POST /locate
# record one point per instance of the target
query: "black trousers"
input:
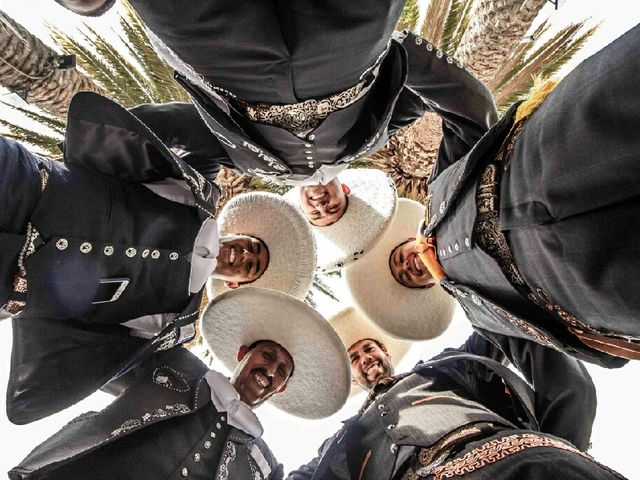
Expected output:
(571, 195)
(275, 51)
(19, 195)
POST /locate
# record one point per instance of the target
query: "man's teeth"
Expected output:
(317, 197)
(261, 380)
(417, 263)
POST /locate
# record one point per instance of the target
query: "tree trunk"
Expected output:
(493, 34)
(27, 65)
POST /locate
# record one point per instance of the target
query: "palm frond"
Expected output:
(88, 61)
(55, 124)
(546, 59)
(42, 143)
(510, 67)
(409, 17)
(125, 74)
(160, 75)
(456, 24)
(435, 21)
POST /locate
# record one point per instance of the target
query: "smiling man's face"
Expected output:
(241, 259)
(370, 362)
(407, 268)
(263, 371)
(324, 204)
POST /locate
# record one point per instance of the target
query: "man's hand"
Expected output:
(83, 7)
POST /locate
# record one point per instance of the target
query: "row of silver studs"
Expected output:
(86, 247)
(439, 53)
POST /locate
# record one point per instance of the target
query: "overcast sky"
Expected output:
(295, 441)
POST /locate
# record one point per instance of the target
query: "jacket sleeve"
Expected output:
(565, 396)
(178, 125)
(338, 462)
(463, 103)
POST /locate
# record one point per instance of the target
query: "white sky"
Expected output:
(296, 441)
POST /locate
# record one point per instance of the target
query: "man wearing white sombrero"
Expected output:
(348, 215)
(390, 285)
(96, 309)
(446, 416)
(181, 420)
(284, 233)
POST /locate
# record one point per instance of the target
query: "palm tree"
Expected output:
(31, 68)
(490, 38)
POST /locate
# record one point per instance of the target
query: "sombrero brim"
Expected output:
(402, 312)
(321, 380)
(372, 205)
(286, 233)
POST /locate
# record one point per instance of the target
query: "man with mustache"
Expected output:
(177, 418)
(105, 257)
(296, 92)
(462, 414)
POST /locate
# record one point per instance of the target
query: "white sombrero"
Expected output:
(286, 233)
(322, 375)
(402, 312)
(352, 326)
(372, 205)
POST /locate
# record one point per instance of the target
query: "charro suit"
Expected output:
(435, 406)
(163, 425)
(105, 250)
(278, 53)
(566, 202)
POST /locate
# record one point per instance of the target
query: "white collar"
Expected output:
(226, 399)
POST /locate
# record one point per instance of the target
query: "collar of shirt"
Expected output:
(205, 252)
(226, 399)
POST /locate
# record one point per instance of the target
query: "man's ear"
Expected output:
(345, 189)
(384, 349)
(354, 382)
(231, 285)
(242, 352)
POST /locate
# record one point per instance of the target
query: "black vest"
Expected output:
(98, 228)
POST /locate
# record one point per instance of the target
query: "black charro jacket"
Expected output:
(414, 78)
(459, 388)
(100, 227)
(163, 425)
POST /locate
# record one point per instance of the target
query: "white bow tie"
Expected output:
(226, 399)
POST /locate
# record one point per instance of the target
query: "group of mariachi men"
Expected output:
(529, 225)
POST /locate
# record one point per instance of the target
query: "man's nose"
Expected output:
(247, 255)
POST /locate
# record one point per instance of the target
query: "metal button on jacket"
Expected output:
(207, 444)
(108, 250)
(62, 244)
(155, 254)
(173, 256)
(145, 253)
(196, 457)
(185, 472)
(86, 247)
(131, 252)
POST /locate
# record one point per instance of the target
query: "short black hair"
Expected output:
(257, 342)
